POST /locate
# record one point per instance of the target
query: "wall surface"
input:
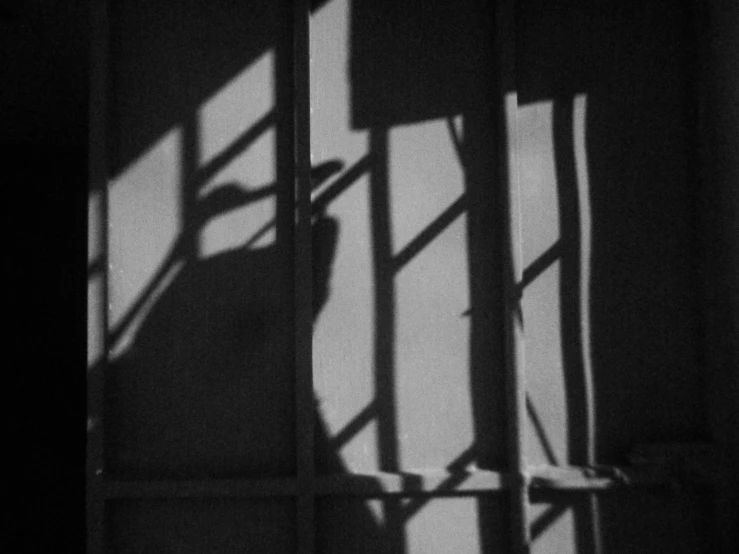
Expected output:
(410, 258)
(407, 351)
(191, 267)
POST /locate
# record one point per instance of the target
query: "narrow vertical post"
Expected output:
(97, 308)
(515, 352)
(591, 511)
(303, 280)
(384, 339)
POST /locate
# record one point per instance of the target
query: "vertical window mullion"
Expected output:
(303, 281)
(97, 308)
(515, 351)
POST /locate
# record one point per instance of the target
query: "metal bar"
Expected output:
(98, 301)
(303, 280)
(210, 488)
(515, 361)
(384, 336)
(596, 479)
(407, 484)
(579, 122)
(547, 519)
(540, 432)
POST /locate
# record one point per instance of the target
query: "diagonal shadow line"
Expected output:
(433, 230)
(175, 252)
(259, 234)
(540, 265)
(224, 199)
(468, 456)
(179, 247)
(540, 432)
(545, 520)
(244, 141)
(530, 274)
(341, 184)
(464, 459)
(115, 334)
(352, 429)
(457, 142)
(336, 188)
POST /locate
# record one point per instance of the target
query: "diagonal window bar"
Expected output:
(457, 476)
(457, 141)
(540, 432)
(180, 247)
(540, 265)
(238, 146)
(354, 427)
(426, 236)
(546, 520)
(340, 185)
(320, 204)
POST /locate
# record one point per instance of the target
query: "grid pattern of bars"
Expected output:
(518, 481)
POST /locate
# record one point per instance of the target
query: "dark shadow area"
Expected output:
(223, 39)
(634, 62)
(220, 313)
(206, 388)
(45, 341)
(655, 517)
(43, 171)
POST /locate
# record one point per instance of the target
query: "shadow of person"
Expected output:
(206, 389)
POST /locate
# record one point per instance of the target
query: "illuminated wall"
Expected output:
(191, 287)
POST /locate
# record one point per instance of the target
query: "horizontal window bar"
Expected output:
(438, 482)
(206, 488)
(421, 482)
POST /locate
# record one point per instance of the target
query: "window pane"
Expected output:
(407, 357)
(200, 380)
